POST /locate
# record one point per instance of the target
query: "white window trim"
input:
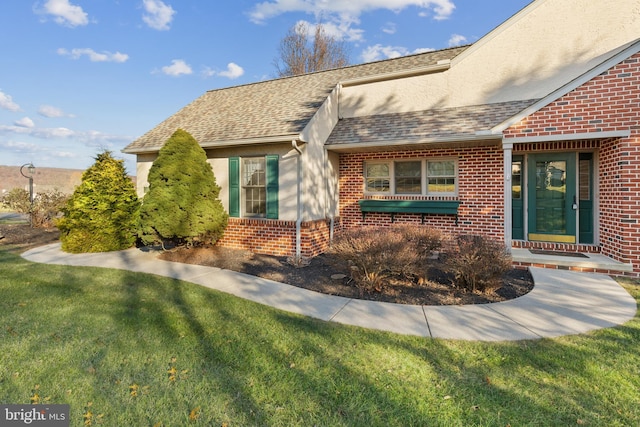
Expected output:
(243, 191)
(423, 178)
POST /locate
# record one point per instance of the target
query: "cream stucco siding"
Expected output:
(143, 165)
(526, 57)
(317, 177)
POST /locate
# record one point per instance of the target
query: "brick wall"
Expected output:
(609, 102)
(276, 237)
(480, 188)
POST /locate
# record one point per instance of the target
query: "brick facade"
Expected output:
(277, 238)
(608, 102)
(480, 191)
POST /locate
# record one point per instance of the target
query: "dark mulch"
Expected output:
(317, 274)
(23, 237)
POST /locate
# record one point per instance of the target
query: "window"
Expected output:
(426, 177)
(408, 177)
(253, 186)
(254, 191)
(377, 177)
(441, 176)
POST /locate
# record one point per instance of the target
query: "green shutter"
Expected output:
(234, 187)
(272, 186)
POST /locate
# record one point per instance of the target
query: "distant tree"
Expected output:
(182, 205)
(299, 54)
(102, 214)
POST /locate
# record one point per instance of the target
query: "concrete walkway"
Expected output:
(561, 303)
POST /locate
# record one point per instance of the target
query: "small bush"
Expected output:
(17, 200)
(378, 253)
(47, 206)
(477, 262)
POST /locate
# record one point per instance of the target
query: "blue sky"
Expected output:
(81, 76)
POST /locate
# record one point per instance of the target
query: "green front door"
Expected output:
(552, 197)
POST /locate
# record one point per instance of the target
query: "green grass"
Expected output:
(92, 337)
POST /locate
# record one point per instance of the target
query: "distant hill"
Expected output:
(45, 179)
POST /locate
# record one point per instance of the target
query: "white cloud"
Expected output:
(52, 112)
(378, 52)
(18, 146)
(91, 137)
(158, 14)
(93, 55)
(389, 28)
(178, 67)
(6, 102)
(65, 13)
(346, 10)
(233, 71)
(457, 40)
(25, 122)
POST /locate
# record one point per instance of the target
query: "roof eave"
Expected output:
(481, 136)
(419, 71)
(277, 139)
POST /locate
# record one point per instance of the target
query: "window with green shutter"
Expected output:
(234, 187)
(253, 187)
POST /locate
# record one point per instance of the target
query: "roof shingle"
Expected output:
(270, 108)
(423, 125)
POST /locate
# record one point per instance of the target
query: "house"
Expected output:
(530, 135)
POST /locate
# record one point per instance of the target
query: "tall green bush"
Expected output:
(102, 214)
(182, 205)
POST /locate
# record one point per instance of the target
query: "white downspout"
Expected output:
(507, 148)
(294, 144)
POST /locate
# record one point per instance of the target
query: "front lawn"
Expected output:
(133, 349)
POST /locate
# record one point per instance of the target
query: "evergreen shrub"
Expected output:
(102, 214)
(182, 204)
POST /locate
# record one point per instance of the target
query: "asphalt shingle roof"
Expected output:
(270, 108)
(422, 125)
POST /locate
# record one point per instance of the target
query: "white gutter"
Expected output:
(294, 144)
(479, 137)
(223, 144)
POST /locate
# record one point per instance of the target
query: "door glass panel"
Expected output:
(551, 193)
(516, 180)
(584, 179)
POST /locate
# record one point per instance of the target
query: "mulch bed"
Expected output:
(317, 276)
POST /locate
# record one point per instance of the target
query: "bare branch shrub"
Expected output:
(477, 262)
(378, 253)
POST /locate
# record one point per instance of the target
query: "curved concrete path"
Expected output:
(561, 303)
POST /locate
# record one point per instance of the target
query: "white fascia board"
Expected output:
(279, 139)
(570, 137)
(429, 69)
(631, 49)
(413, 142)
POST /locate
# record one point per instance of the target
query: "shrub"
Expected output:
(182, 204)
(477, 262)
(47, 208)
(17, 200)
(378, 253)
(102, 214)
